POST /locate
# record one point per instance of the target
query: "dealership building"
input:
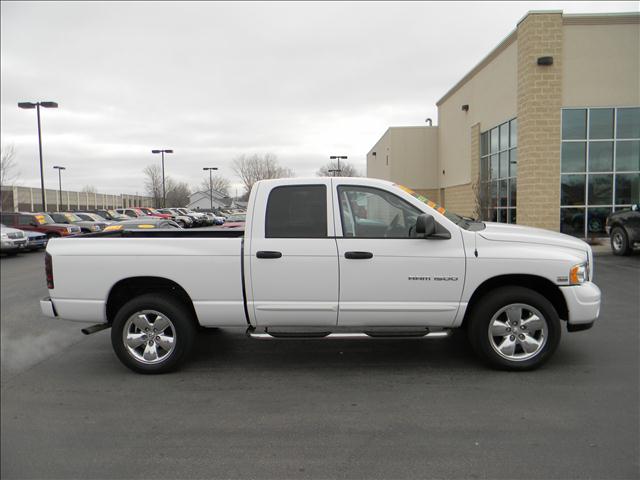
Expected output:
(544, 131)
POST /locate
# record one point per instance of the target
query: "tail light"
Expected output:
(48, 270)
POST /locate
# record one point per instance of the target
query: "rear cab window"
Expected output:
(297, 211)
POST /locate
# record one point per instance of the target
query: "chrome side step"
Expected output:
(342, 335)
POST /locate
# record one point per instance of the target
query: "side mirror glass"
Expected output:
(425, 225)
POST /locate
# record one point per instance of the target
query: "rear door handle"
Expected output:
(358, 255)
(268, 254)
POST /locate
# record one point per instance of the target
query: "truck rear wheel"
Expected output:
(152, 333)
(514, 328)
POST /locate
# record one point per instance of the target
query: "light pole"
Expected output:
(164, 193)
(59, 183)
(210, 184)
(37, 105)
(337, 157)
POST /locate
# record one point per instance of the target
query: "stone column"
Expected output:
(539, 117)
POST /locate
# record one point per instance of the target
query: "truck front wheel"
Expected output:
(152, 333)
(514, 328)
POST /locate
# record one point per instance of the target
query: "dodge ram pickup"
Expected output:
(327, 257)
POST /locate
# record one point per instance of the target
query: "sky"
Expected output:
(213, 81)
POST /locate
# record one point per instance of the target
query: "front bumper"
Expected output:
(583, 303)
(13, 245)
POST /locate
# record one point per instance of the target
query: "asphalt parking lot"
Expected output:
(246, 408)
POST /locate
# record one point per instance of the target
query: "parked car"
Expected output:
(623, 228)
(110, 215)
(142, 223)
(306, 266)
(196, 219)
(199, 217)
(183, 220)
(12, 240)
(131, 212)
(155, 213)
(87, 226)
(235, 220)
(36, 241)
(38, 222)
(93, 217)
(215, 219)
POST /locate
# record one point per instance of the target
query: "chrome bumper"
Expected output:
(583, 303)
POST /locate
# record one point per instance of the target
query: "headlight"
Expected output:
(578, 274)
(69, 229)
(4, 236)
(95, 228)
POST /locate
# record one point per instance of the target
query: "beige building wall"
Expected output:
(407, 155)
(490, 90)
(601, 61)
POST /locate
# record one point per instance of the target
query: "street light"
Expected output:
(337, 157)
(210, 184)
(37, 105)
(164, 193)
(59, 183)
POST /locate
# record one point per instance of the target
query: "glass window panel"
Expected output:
(484, 169)
(600, 156)
(484, 144)
(504, 189)
(627, 188)
(493, 215)
(574, 124)
(502, 215)
(513, 162)
(513, 192)
(504, 164)
(572, 190)
(493, 194)
(512, 215)
(494, 166)
(494, 140)
(297, 212)
(504, 136)
(600, 189)
(513, 133)
(601, 123)
(572, 221)
(573, 156)
(627, 156)
(628, 123)
(596, 218)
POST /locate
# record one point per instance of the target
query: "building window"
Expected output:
(498, 172)
(600, 167)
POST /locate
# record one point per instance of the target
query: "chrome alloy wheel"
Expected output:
(617, 241)
(149, 336)
(518, 332)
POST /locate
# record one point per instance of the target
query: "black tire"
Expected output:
(620, 244)
(183, 325)
(182, 224)
(491, 304)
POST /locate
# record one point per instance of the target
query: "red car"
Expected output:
(234, 221)
(155, 213)
(38, 222)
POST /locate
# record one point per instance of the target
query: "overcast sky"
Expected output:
(215, 80)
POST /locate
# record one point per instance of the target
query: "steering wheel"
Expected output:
(393, 225)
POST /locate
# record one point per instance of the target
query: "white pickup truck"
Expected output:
(325, 257)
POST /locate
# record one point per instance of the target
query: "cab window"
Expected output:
(297, 211)
(373, 213)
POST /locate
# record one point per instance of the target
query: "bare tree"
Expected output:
(8, 168)
(177, 193)
(346, 170)
(153, 183)
(218, 182)
(252, 168)
(89, 189)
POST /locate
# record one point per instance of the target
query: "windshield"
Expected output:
(459, 220)
(44, 219)
(72, 217)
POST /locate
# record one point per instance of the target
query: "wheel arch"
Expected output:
(534, 282)
(128, 288)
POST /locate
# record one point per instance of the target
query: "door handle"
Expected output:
(358, 255)
(268, 254)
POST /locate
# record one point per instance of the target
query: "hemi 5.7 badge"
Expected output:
(436, 278)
